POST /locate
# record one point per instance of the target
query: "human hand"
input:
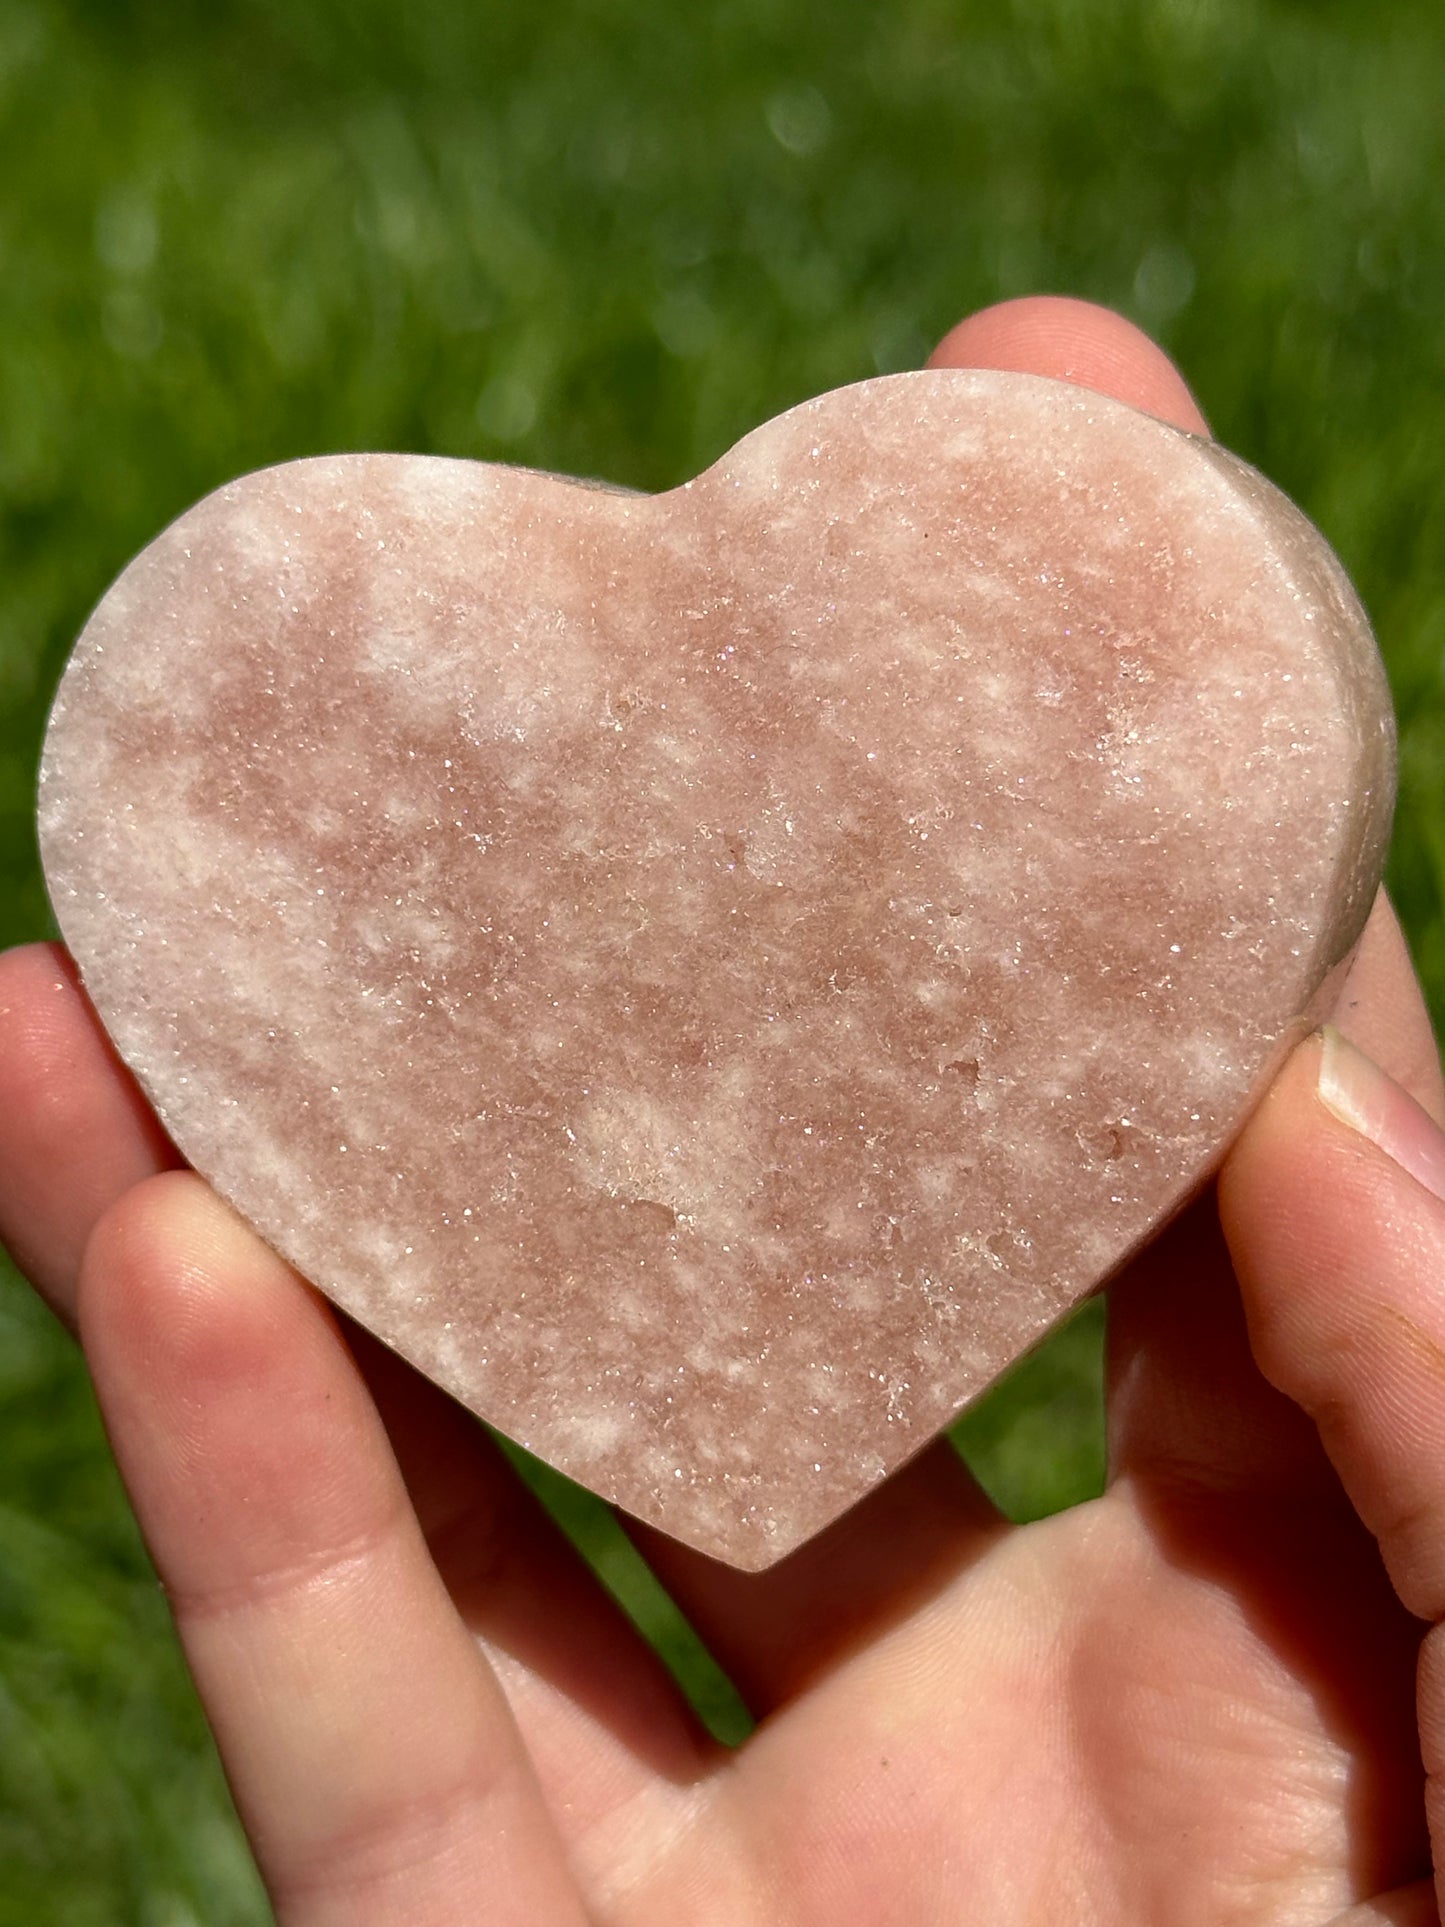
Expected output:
(1192, 1701)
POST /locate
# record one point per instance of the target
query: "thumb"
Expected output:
(1333, 1203)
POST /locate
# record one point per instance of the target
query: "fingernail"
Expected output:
(1358, 1093)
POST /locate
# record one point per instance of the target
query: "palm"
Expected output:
(1112, 1712)
(1200, 1685)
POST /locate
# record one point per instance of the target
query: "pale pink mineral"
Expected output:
(712, 978)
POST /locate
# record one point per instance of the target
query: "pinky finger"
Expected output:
(371, 1751)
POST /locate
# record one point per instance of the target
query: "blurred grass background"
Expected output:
(608, 239)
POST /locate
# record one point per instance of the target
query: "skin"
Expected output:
(1201, 1699)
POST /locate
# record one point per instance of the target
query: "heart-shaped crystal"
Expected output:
(711, 978)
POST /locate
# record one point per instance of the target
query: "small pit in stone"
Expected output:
(1105, 1143)
(650, 1215)
(964, 1070)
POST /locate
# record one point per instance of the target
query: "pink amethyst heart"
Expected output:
(712, 978)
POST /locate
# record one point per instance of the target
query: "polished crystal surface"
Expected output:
(711, 978)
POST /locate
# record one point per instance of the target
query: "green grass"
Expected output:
(607, 238)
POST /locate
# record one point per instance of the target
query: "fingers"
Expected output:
(75, 1132)
(1073, 341)
(1333, 1203)
(371, 1750)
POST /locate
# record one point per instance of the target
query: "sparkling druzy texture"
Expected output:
(711, 978)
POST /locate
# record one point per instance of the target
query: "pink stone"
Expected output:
(712, 978)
